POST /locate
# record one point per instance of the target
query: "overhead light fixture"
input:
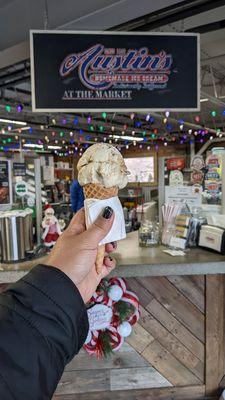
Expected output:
(33, 145)
(52, 147)
(203, 100)
(11, 121)
(138, 139)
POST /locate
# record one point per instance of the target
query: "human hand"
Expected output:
(76, 250)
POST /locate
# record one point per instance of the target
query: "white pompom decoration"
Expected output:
(115, 292)
(88, 338)
(124, 329)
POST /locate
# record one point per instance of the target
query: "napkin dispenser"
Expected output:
(212, 237)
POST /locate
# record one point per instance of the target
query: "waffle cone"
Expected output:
(96, 191)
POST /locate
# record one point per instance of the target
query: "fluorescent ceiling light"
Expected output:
(134, 138)
(33, 145)
(11, 121)
(203, 100)
(54, 147)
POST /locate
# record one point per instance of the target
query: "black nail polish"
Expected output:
(107, 213)
(113, 244)
(111, 259)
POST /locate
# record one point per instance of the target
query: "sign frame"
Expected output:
(88, 110)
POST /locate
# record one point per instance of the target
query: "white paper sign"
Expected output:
(182, 194)
(94, 207)
(99, 317)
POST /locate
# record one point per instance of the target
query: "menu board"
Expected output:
(4, 182)
(141, 169)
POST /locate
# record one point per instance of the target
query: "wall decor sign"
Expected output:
(197, 176)
(114, 71)
(197, 162)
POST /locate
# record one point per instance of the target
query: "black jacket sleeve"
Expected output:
(43, 324)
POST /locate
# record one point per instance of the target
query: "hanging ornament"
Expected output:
(125, 329)
(115, 292)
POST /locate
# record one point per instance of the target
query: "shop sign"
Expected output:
(21, 188)
(197, 189)
(30, 201)
(114, 71)
(197, 177)
(197, 163)
(19, 169)
(182, 194)
(4, 182)
(213, 161)
(176, 178)
(175, 163)
(212, 187)
(212, 176)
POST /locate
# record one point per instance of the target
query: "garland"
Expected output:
(112, 311)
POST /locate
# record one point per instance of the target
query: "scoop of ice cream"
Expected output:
(102, 164)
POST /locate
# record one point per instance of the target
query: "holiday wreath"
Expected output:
(112, 311)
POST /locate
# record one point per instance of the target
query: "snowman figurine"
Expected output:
(52, 227)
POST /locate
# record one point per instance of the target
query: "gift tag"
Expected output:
(99, 317)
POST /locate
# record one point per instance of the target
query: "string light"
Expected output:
(147, 118)
(148, 148)
(181, 127)
(211, 138)
(197, 118)
(9, 127)
(19, 108)
(167, 114)
(75, 121)
(213, 113)
(53, 133)
(8, 108)
(53, 121)
(132, 115)
(101, 128)
(64, 121)
(112, 128)
(133, 133)
(127, 146)
(190, 131)
(16, 137)
(164, 120)
(61, 134)
(104, 115)
(140, 146)
(165, 143)
(134, 143)
(89, 119)
(71, 134)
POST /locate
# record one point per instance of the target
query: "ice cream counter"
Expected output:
(135, 261)
(178, 343)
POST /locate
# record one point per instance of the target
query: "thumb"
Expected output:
(101, 227)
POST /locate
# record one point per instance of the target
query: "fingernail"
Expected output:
(113, 244)
(110, 258)
(107, 213)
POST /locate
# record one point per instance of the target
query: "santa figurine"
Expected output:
(52, 227)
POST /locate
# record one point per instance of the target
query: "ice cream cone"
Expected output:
(97, 191)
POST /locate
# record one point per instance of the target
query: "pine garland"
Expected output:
(124, 310)
(104, 341)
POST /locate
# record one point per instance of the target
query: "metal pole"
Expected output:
(161, 186)
(213, 81)
(223, 185)
(37, 177)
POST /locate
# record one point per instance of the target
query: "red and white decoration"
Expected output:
(104, 317)
(51, 226)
